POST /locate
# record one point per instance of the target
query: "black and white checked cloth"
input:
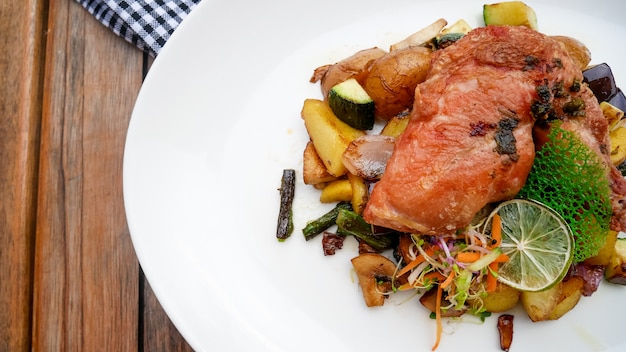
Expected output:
(146, 23)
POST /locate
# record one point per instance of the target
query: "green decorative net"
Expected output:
(571, 178)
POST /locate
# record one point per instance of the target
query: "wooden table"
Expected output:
(69, 277)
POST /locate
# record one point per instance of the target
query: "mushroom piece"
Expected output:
(375, 273)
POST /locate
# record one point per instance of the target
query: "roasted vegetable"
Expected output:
(367, 155)
(350, 223)
(392, 78)
(618, 145)
(505, 330)
(512, 13)
(375, 273)
(576, 50)
(539, 304)
(502, 299)
(601, 81)
(336, 191)
(352, 66)
(421, 37)
(317, 226)
(314, 171)
(616, 270)
(351, 104)
(605, 252)
(285, 214)
(396, 125)
(330, 135)
(360, 193)
(569, 294)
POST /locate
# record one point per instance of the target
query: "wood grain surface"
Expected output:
(70, 280)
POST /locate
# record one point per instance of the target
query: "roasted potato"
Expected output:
(336, 191)
(616, 269)
(313, 169)
(392, 78)
(396, 125)
(539, 305)
(329, 135)
(352, 66)
(502, 299)
(618, 145)
(360, 193)
(604, 254)
(579, 53)
(569, 295)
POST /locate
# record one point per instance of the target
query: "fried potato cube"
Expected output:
(570, 293)
(502, 299)
(330, 135)
(337, 191)
(539, 305)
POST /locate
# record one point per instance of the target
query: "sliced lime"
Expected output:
(537, 240)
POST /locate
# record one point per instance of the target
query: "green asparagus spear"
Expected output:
(325, 221)
(350, 223)
(285, 215)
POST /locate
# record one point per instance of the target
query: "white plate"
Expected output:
(217, 121)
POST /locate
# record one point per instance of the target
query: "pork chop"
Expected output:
(469, 141)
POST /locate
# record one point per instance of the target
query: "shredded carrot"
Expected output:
(496, 235)
(435, 275)
(448, 280)
(496, 230)
(440, 289)
(470, 257)
(412, 264)
(417, 261)
(492, 280)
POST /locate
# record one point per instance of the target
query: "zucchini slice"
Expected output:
(512, 13)
(352, 105)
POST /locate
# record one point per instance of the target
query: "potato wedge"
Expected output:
(502, 299)
(395, 126)
(615, 271)
(336, 191)
(539, 305)
(570, 293)
(604, 254)
(360, 193)
(330, 135)
(612, 113)
(618, 145)
(313, 169)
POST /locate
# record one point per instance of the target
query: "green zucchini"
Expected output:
(352, 105)
(512, 13)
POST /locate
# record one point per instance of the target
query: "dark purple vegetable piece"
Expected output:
(285, 214)
(601, 81)
(618, 100)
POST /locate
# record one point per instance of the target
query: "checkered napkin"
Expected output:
(146, 23)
